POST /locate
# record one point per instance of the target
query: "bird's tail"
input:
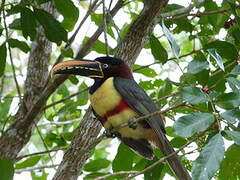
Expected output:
(164, 145)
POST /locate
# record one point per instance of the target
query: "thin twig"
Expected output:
(116, 174)
(10, 56)
(105, 27)
(44, 143)
(59, 123)
(39, 153)
(165, 97)
(36, 168)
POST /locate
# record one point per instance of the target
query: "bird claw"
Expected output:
(132, 123)
(109, 134)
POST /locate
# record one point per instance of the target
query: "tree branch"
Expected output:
(19, 132)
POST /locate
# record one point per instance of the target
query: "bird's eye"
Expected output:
(105, 66)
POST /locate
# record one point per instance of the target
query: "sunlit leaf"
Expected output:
(228, 100)
(175, 47)
(193, 95)
(209, 160)
(231, 115)
(187, 125)
(234, 84)
(236, 70)
(196, 66)
(217, 57)
(28, 162)
(235, 135)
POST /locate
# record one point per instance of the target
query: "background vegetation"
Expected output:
(188, 64)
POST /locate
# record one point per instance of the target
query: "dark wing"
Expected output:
(140, 146)
(139, 101)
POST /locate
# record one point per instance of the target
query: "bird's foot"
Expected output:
(132, 123)
(110, 134)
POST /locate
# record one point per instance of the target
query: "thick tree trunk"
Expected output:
(129, 49)
(19, 132)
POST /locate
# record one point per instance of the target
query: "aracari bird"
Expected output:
(116, 98)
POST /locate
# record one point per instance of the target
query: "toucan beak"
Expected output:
(86, 68)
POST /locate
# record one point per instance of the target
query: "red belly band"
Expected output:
(122, 105)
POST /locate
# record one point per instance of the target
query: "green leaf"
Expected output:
(5, 107)
(166, 89)
(175, 47)
(73, 79)
(149, 72)
(14, 43)
(158, 50)
(224, 49)
(232, 116)
(69, 11)
(208, 162)
(196, 66)
(28, 23)
(228, 100)
(123, 161)
(234, 84)
(236, 70)
(155, 172)
(67, 52)
(52, 28)
(193, 95)
(235, 135)
(94, 175)
(217, 58)
(95, 165)
(28, 162)
(230, 165)
(187, 125)
(3, 56)
(178, 142)
(16, 24)
(82, 98)
(6, 169)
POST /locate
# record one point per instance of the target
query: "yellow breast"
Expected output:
(105, 99)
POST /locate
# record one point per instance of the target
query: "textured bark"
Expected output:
(128, 50)
(19, 132)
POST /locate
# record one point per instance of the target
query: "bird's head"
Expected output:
(101, 67)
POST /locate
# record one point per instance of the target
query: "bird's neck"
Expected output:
(122, 71)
